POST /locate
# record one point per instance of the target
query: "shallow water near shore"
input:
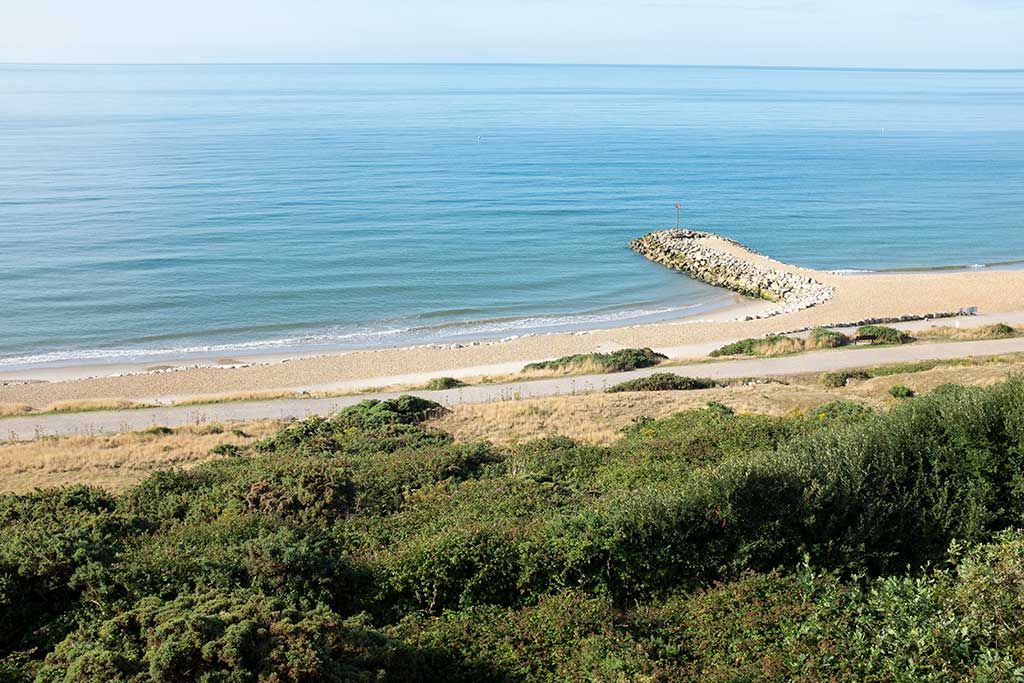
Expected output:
(150, 212)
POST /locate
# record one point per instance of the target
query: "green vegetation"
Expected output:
(616, 361)
(824, 338)
(998, 331)
(880, 334)
(663, 381)
(227, 449)
(772, 345)
(901, 391)
(840, 378)
(442, 383)
(844, 544)
(780, 344)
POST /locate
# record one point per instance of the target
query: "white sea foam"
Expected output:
(360, 338)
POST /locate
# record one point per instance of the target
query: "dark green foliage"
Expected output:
(405, 409)
(750, 347)
(227, 449)
(1000, 330)
(900, 391)
(616, 361)
(880, 334)
(366, 548)
(663, 381)
(719, 407)
(227, 636)
(442, 383)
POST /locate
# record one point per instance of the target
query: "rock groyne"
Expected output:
(720, 261)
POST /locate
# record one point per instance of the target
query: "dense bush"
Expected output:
(221, 636)
(616, 361)
(663, 381)
(706, 546)
(880, 334)
(900, 391)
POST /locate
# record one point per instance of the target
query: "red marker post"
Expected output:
(678, 206)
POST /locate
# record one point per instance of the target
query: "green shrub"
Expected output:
(616, 361)
(900, 391)
(389, 424)
(999, 331)
(719, 408)
(53, 543)
(227, 636)
(880, 334)
(840, 378)
(663, 381)
(442, 383)
(405, 409)
(226, 449)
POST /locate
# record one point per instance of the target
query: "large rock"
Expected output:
(684, 250)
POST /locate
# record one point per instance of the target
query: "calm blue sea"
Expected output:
(150, 212)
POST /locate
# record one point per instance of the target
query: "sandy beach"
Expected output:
(856, 297)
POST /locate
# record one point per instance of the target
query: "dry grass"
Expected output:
(598, 418)
(116, 461)
(248, 396)
(877, 388)
(583, 367)
(997, 331)
(119, 461)
(84, 405)
(779, 347)
(14, 409)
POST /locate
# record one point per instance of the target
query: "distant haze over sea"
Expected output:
(152, 212)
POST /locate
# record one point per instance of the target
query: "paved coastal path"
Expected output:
(29, 427)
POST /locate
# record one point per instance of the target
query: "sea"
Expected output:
(158, 212)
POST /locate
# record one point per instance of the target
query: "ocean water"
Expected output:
(151, 212)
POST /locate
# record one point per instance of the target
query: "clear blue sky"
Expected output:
(896, 33)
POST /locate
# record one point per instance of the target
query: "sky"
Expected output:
(853, 33)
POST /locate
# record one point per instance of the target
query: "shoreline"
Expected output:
(127, 361)
(859, 296)
(736, 309)
(240, 356)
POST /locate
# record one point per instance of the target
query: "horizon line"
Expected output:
(775, 67)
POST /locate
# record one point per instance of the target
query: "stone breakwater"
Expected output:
(695, 254)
